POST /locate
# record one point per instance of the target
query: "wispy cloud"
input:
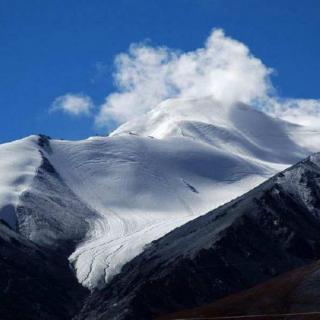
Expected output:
(305, 112)
(73, 104)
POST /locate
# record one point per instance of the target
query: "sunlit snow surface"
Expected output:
(155, 173)
(19, 161)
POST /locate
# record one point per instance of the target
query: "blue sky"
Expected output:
(50, 48)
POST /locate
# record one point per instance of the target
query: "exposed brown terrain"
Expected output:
(293, 295)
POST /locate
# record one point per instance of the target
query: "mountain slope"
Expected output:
(101, 200)
(35, 283)
(271, 229)
(142, 188)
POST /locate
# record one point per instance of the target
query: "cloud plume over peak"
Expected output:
(223, 68)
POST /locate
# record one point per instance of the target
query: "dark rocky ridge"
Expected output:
(270, 230)
(35, 283)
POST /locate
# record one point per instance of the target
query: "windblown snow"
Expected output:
(153, 174)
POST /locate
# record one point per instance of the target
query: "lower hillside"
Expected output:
(295, 293)
(35, 283)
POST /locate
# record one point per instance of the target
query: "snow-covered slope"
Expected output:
(238, 129)
(266, 232)
(19, 161)
(142, 188)
(116, 194)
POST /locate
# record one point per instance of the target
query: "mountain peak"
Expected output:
(237, 128)
(163, 120)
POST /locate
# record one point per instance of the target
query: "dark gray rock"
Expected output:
(35, 283)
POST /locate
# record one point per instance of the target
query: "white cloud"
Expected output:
(74, 104)
(223, 68)
(305, 112)
(145, 76)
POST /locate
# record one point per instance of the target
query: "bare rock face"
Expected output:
(270, 230)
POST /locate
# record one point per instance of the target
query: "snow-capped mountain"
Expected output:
(266, 232)
(101, 200)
